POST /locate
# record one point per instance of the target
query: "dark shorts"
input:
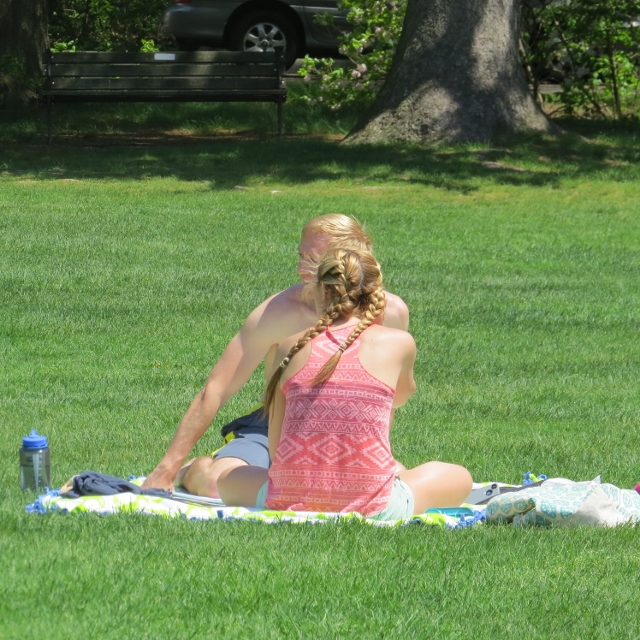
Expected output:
(246, 438)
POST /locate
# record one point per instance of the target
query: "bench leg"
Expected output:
(279, 119)
(49, 107)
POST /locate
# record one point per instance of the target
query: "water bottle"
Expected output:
(35, 465)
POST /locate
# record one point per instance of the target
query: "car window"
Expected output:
(323, 33)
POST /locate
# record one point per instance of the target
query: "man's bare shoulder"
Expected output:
(396, 314)
(284, 303)
(282, 314)
(291, 296)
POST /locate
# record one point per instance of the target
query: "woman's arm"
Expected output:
(406, 384)
(276, 416)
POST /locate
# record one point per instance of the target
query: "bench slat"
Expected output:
(238, 57)
(156, 84)
(166, 96)
(152, 69)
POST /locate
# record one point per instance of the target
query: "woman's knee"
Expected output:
(464, 477)
(458, 469)
(451, 472)
(438, 484)
(457, 477)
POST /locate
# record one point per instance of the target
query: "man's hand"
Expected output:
(159, 480)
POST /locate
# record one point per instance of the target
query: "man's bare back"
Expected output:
(292, 311)
(283, 314)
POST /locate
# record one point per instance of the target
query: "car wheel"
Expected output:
(267, 31)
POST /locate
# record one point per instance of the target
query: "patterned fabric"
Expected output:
(570, 505)
(334, 452)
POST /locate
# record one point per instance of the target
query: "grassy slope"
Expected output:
(125, 269)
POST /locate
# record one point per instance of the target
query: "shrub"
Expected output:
(105, 25)
(377, 25)
(591, 48)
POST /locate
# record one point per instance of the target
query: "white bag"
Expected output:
(567, 505)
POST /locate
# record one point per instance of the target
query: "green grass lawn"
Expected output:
(127, 262)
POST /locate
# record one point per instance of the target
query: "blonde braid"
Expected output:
(353, 284)
(375, 309)
(377, 304)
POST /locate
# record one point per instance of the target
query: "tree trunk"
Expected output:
(456, 77)
(23, 41)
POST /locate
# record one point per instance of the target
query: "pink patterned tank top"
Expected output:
(334, 453)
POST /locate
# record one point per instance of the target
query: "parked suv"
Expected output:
(255, 25)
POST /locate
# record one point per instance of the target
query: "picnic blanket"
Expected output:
(52, 501)
(99, 498)
(555, 502)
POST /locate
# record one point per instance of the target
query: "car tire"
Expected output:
(267, 31)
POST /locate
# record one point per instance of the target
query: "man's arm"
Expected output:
(238, 361)
(276, 418)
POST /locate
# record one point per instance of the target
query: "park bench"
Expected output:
(199, 76)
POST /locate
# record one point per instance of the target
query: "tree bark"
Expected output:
(456, 77)
(23, 39)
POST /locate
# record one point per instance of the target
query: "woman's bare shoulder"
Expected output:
(384, 334)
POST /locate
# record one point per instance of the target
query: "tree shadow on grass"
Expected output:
(609, 151)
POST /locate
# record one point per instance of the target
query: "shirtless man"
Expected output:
(284, 314)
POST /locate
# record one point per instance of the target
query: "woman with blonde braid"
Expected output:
(331, 402)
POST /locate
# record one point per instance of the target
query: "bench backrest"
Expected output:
(160, 72)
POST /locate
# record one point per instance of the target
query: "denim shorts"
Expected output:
(400, 506)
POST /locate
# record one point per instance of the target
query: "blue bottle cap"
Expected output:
(34, 440)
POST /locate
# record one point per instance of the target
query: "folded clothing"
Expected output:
(92, 483)
(561, 502)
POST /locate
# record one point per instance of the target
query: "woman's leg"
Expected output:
(239, 486)
(437, 484)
